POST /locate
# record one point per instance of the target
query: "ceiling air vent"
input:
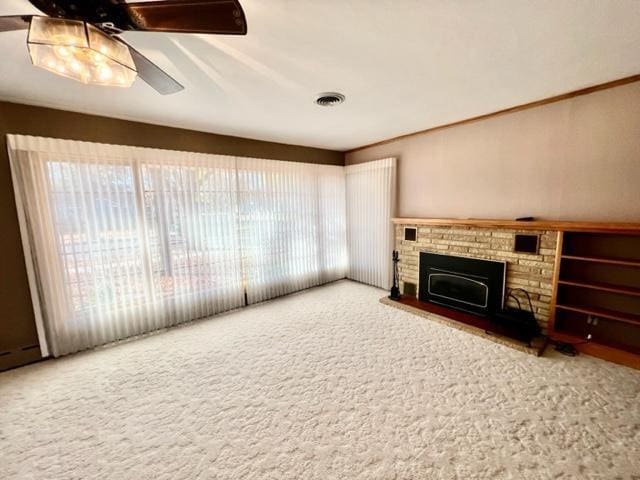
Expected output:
(329, 99)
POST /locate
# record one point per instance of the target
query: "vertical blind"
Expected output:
(370, 206)
(282, 206)
(121, 241)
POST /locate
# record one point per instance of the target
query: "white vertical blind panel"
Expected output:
(332, 224)
(370, 191)
(125, 240)
(292, 230)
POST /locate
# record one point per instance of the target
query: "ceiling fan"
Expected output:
(79, 39)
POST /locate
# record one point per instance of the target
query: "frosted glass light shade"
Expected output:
(57, 31)
(80, 51)
(103, 44)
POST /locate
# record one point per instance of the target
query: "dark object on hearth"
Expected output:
(570, 349)
(395, 289)
(525, 219)
(566, 349)
(518, 322)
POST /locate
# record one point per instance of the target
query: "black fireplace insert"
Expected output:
(469, 284)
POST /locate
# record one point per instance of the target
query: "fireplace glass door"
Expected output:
(458, 288)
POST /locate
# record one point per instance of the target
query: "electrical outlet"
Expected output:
(591, 320)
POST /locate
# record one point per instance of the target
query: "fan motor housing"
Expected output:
(92, 11)
(115, 16)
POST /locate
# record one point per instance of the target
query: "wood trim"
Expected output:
(545, 101)
(554, 283)
(556, 225)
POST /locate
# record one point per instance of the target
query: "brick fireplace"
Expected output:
(531, 272)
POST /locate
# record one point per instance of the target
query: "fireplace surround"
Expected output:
(533, 272)
(579, 279)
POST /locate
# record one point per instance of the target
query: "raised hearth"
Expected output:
(467, 322)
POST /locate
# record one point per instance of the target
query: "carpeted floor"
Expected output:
(324, 384)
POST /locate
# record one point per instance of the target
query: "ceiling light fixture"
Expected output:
(329, 99)
(80, 51)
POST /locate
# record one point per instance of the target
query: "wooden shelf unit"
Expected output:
(597, 293)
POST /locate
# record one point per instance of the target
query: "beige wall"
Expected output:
(17, 327)
(577, 159)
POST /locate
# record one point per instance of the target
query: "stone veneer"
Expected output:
(533, 273)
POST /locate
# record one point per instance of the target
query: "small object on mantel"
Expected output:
(525, 219)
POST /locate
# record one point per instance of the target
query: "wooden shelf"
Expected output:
(555, 225)
(630, 318)
(603, 287)
(630, 262)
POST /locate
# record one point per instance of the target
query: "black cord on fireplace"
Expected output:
(570, 349)
(511, 293)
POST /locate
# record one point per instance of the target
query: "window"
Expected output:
(125, 240)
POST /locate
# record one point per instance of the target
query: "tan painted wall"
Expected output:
(17, 327)
(577, 159)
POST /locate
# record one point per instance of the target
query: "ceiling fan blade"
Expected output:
(188, 16)
(148, 71)
(14, 22)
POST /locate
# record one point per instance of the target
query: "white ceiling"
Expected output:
(404, 65)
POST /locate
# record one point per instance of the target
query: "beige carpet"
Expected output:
(325, 384)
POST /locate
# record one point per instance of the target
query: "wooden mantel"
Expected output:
(556, 225)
